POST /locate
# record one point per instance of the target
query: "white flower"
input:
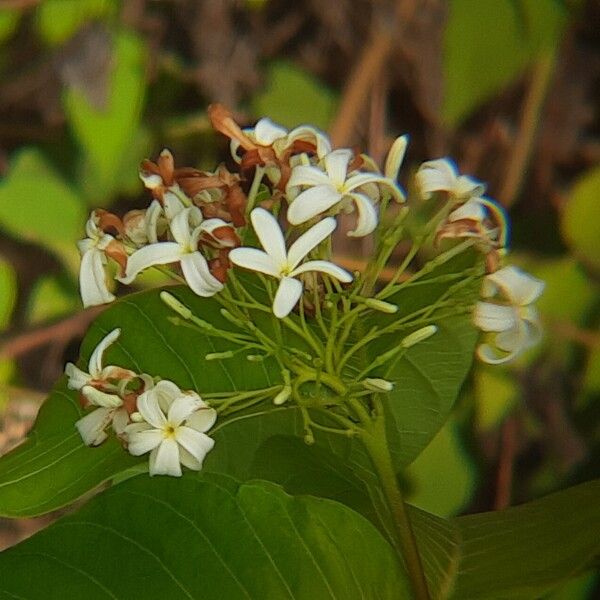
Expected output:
(173, 430)
(92, 427)
(515, 322)
(92, 279)
(186, 229)
(326, 189)
(441, 175)
(96, 385)
(395, 157)
(283, 264)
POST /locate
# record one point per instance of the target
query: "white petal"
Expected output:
(269, 234)
(309, 240)
(395, 157)
(323, 266)
(519, 287)
(100, 398)
(513, 340)
(77, 377)
(180, 226)
(436, 175)
(255, 260)
(151, 180)
(472, 210)
(367, 216)
(196, 443)
(162, 253)
(95, 364)
(198, 277)
(202, 419)
(173, 205)
(91, 427)
(361, 179)
(140, 442)
(312, 202)
(287, 296)
(120, 421)
(494, 317)
(166, 392)
(182, 408)
(311, 134)
(305, 175)
(266, 132)
(466, 186)
(488, 355)
(92, 279)
(336, 164)
(166, 460)
(153, 213)
(147, 405)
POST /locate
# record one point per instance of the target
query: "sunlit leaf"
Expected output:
(109, 136)
(210, 538)
(9, 19)
(51, 297)
(581, 216)
(8, 292)
(294, 97)
(488, 44)
(442, 477)
(58, 20)
(495, 393)
(38, 205)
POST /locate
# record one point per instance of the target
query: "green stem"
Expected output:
(375, 442)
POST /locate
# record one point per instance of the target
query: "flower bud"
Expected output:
(283, 396)
(219, 355)
(419, 335)
(381, 306)
(375, 384)
(176, 305)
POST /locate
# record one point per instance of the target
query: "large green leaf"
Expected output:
(53, 467)
(209, 538)
(580, 218)
(518, 553)
(488, 44)
(109, 135)
(38, 205)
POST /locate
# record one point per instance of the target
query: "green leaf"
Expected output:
(496, 393)
(430, 374)
(210, 538)
(443, 476)
(37, 205)
(51, 297)
(110, 135)
(59, 20)
(54, 468)
(581, 216)
(8, 292)
(530, 549)
(519, 553)
(9, 19)
(293, 97)
(488, 44)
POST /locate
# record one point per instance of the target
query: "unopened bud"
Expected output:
(375, 384)
(283, 396)
(255, 357)
(136, 417)
(418, 336)
(381, 306)
(176, 305)
(218, 355)
(395, 157)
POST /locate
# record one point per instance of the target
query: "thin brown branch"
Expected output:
(62, 331)
(508, 452)
(528, 128)
(368, 68)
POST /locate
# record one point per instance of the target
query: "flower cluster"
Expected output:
(274, 215)
(147, 416)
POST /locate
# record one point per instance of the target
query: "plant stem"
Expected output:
(375, 442)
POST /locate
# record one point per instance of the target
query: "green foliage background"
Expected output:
(143, 96)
